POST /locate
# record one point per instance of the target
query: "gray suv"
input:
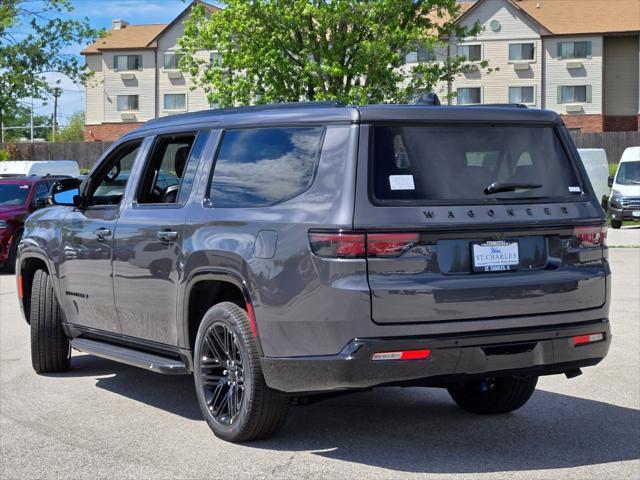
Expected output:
(282, 252)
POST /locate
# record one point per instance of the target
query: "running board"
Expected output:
(136, 358)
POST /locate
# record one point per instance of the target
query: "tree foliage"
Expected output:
(73, 132)
(292, 50)
(33, 39)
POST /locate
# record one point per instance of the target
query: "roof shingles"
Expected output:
(127, 38)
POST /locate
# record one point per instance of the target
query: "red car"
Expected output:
(19, 197)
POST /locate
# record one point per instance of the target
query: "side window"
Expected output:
(109, 182)
(259, 167)
(162, 178)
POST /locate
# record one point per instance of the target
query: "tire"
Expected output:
(616, 224)
(233, 396)
(10, 266)
(50, 348)
(494, 395)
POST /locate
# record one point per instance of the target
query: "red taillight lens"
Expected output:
(402, 355)
(585, 339)
(593, 236)
(390, 244)
(338, 245)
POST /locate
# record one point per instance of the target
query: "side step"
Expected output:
(136, 358)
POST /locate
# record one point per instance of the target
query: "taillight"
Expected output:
(586, 339)
(402, 355)
(592, 236)
(338, 244)
(390, 244)
(361, 245)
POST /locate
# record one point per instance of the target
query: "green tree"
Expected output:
(292, 50)
(33, 39)
(73, 132)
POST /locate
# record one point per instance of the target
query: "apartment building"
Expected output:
(136, 77)
(580, 58)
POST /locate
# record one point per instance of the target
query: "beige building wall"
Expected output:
(502, 25)
(560, 71)
(142, 84)
(174, 81)
(94, 92)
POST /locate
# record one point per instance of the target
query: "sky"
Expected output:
(100, 14)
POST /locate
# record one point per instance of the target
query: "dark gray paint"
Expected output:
(305, 305)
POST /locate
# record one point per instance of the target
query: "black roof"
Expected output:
(335, 112)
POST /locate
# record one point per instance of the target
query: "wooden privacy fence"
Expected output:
(613, 143)
(86, 153)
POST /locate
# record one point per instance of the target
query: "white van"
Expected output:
(20, 168)
(597, 167)
(624, 203)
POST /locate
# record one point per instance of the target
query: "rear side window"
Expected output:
(459, 164)
(259, 167)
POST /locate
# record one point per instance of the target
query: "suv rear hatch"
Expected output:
(477, 221)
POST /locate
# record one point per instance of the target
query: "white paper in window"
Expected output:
(401, 182)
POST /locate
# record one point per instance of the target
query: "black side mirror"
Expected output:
(41, 202)
(66, 192)
(610, 181)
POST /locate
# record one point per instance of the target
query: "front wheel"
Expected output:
(50, 348)
(616, 224)
(494, 395)
(233, 396)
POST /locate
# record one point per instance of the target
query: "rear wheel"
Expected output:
(616, 224)
(233, 396)
(50, 349)
(494, 395)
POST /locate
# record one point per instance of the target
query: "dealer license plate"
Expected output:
(495, 256)
(635, 213)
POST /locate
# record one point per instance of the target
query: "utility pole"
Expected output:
(31, 120)
(54, 124)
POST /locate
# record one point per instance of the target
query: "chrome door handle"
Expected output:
(167, 235)
(101, 233)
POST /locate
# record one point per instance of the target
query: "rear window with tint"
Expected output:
(456, 164)
(259, 167)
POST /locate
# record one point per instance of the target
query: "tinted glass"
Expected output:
(431, 164)
(13, 193)
(260, 167)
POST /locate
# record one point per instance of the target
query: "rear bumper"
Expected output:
(534, 351)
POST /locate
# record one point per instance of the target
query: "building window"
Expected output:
(469, 95)
(574, 94)
(127, 62)
(471, 53)
(127, 103)
(521, 52)
(420, 54)
(171, 61)
(175, 101)
(524, 95)
(574, 50)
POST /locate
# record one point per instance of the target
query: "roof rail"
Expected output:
(502, 105)
(249, 108)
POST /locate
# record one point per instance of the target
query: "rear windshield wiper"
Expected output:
(497, 187)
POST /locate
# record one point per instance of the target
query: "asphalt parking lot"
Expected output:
(105, 420)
